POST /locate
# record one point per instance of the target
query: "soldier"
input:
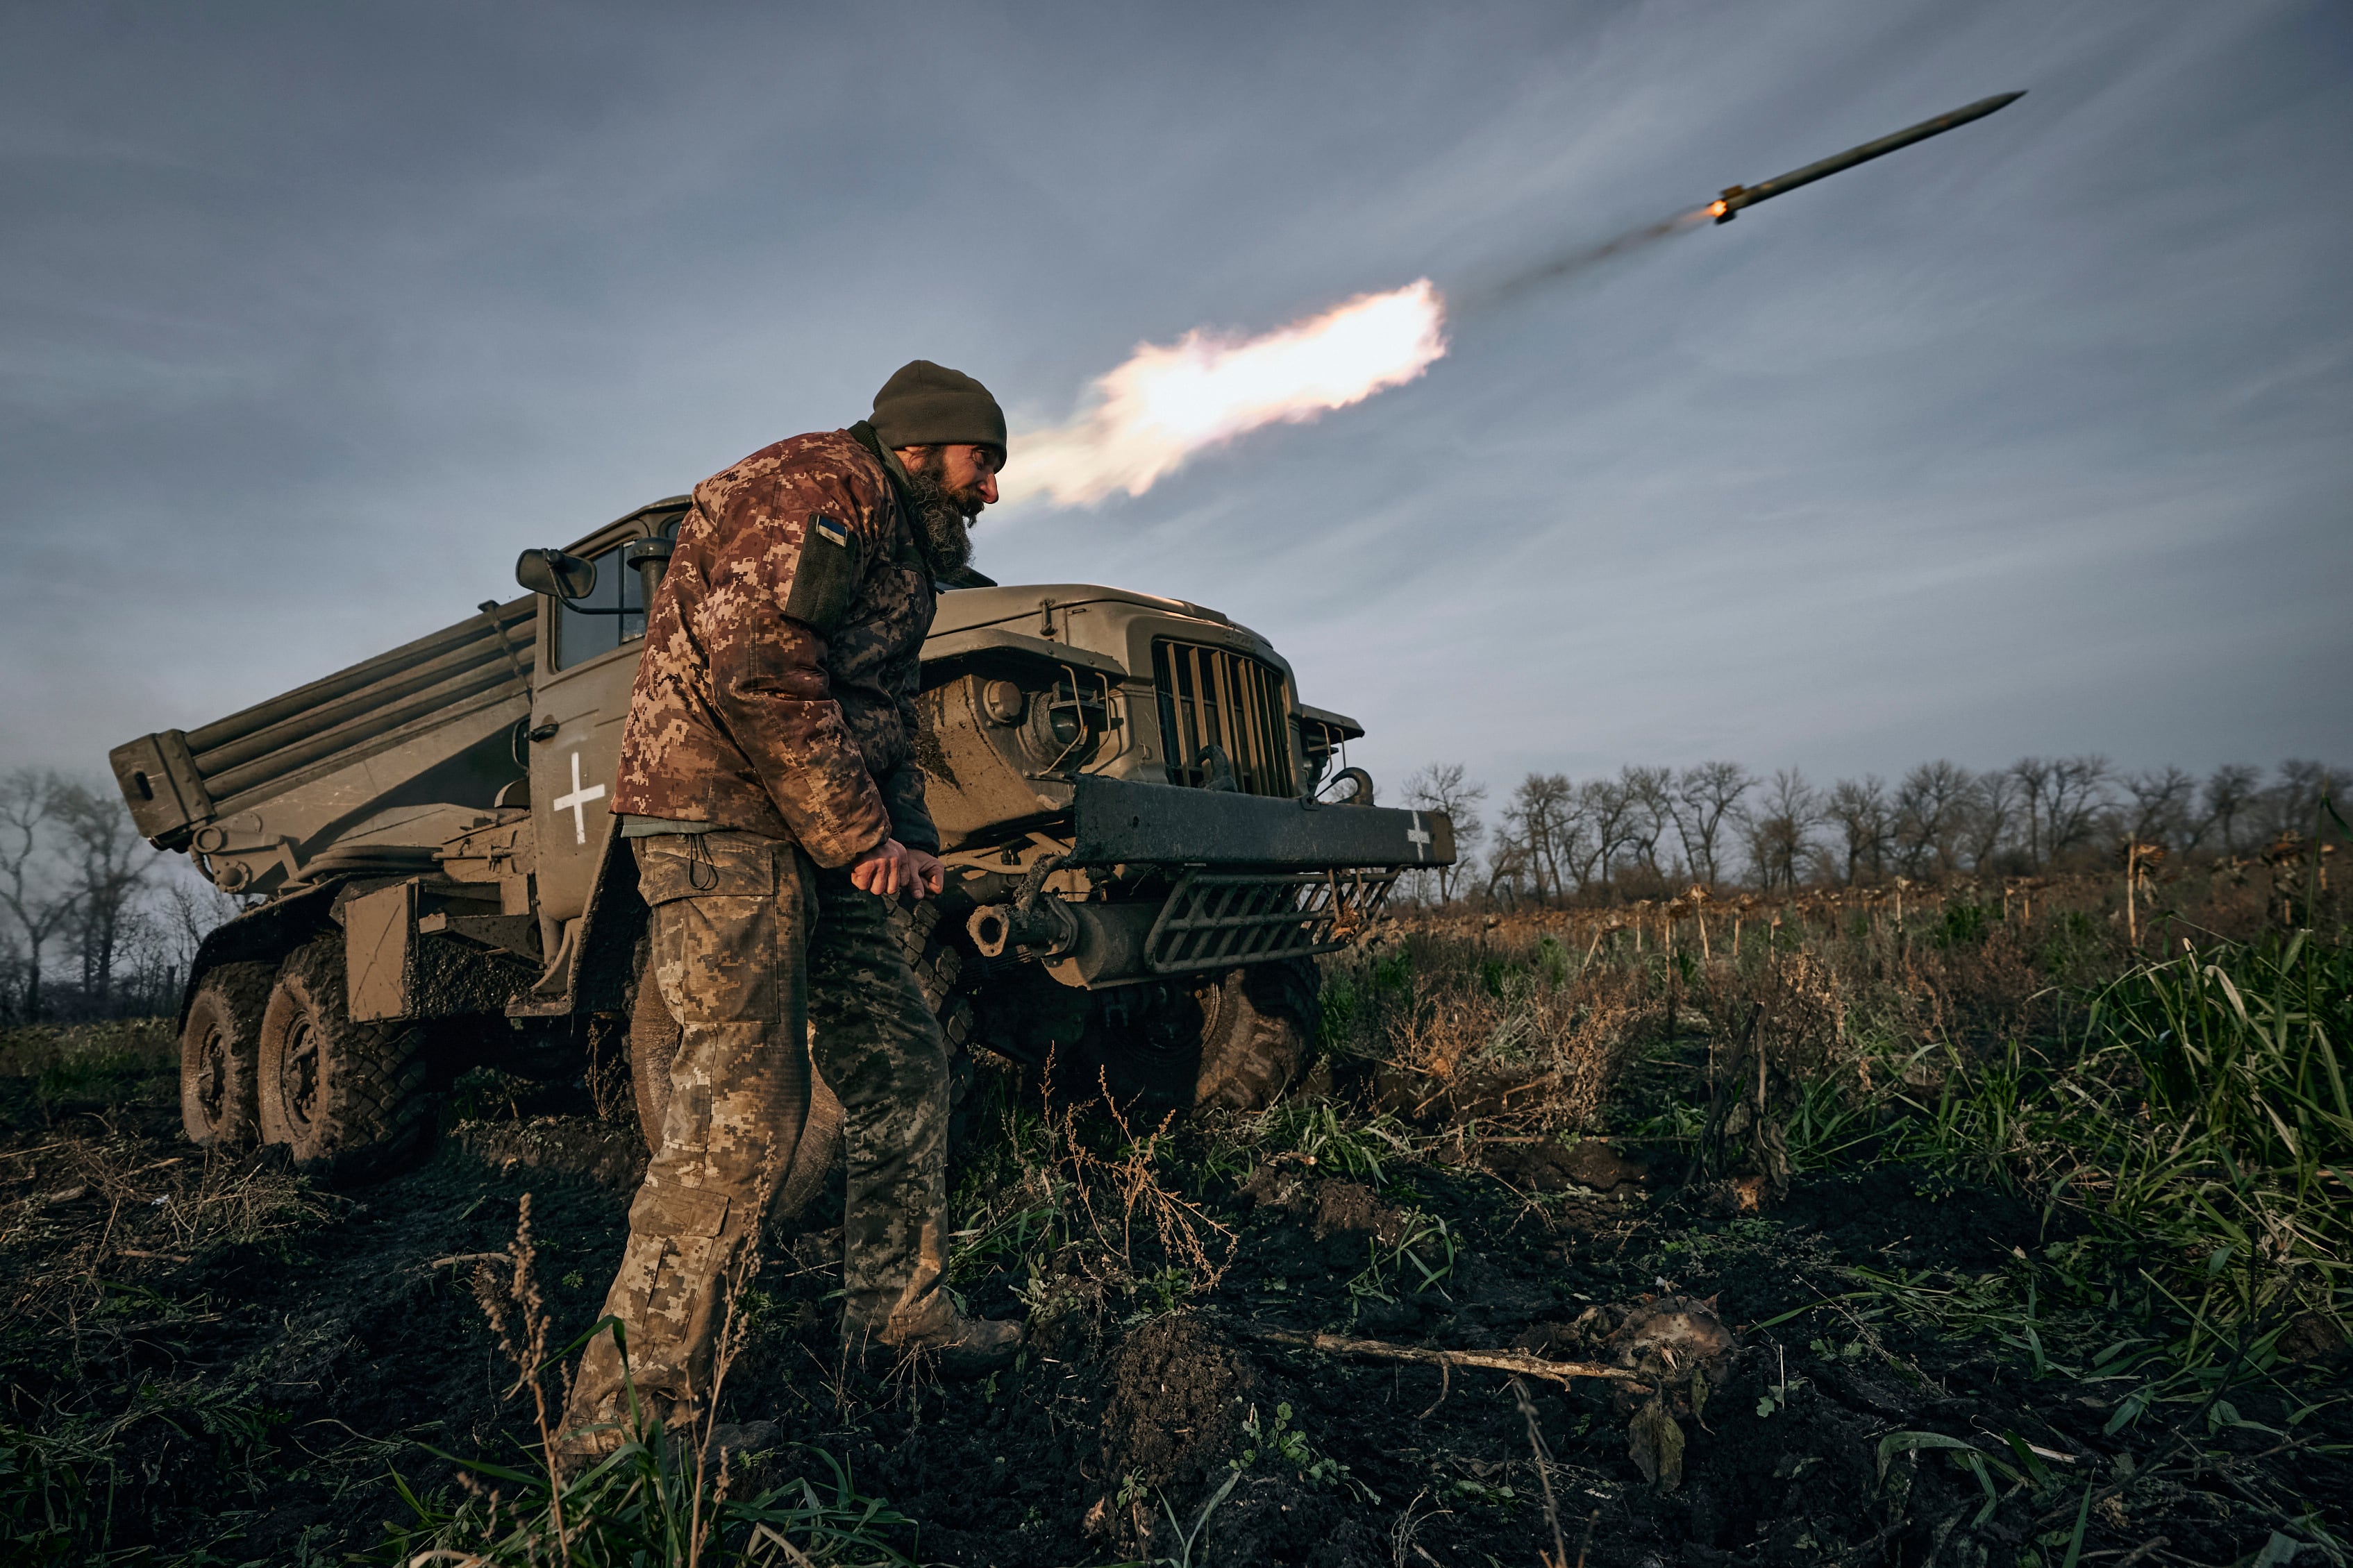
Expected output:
(769, 787)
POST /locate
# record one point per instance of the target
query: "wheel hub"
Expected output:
(297, 1074)
(212, 1074)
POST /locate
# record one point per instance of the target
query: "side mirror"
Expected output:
(554, 573)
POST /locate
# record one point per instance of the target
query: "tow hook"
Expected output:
(1046, 929)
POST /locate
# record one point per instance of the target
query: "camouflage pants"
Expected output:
(756, 952)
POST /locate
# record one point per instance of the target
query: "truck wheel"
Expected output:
(1236, 1040)
(346, 1097)
(940, 969)
(1259, 1026)
(217, 1048)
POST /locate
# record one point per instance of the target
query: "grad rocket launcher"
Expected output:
(1726, 206)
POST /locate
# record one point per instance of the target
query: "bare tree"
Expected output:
(2162, 809)
(1650, 809)
(109, 861)
(2033, 776)
(1441, 786)
(1507, 868)
(1931, 811)
(1859, 807)
(1557, 836)
(1537, 818)
(2231, 790)
(2293, 803)
(1609, 815)
(192, 907)
(2076, 804)
(28, 801)
(12, 977)
(1704, 797)
(1577, 834)
(1781, 830)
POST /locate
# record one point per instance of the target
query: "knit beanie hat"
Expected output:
(927, 405)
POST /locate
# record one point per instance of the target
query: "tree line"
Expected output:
(94, 923)
(1643, 829)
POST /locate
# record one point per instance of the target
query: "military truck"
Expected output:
(1148, 837)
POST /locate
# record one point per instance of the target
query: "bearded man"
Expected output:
(769, 787)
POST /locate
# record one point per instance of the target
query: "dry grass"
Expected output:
(1524, 1038)
(96, 1208)
(1186, 1231)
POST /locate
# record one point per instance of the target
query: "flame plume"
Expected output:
(1143, 419)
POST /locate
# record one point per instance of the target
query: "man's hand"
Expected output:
(890, 866)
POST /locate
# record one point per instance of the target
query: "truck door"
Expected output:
(588, 654)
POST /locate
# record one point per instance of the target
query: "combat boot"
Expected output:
(587, 1436)
(960, 1347)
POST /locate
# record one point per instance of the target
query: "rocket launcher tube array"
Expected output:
(1734, 198)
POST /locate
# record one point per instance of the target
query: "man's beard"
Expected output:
(941, 517)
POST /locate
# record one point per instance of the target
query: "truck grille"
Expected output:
(1216, 920)
(1210, 697)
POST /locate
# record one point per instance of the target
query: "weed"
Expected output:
(1524, 1041)
(112, 1062)
(1315, 1133)
(1278, 1440)
(1188, 1541)
(1183, 1228)
(1426, 1245)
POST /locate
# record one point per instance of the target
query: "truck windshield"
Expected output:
(579, 636)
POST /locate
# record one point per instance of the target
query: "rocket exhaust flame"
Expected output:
(1145, 418)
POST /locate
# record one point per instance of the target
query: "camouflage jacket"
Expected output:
(776, 690)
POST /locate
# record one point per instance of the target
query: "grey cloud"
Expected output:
(2028, 438)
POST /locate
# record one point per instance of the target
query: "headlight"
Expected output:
(1059, 725)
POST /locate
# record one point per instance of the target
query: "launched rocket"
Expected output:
(1724, 208)
(1150, 415)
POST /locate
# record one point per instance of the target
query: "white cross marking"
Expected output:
(1418, 836)
(579, 797)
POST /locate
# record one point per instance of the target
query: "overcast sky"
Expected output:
(2035, 438)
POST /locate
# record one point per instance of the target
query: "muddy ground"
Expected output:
(218, 1363)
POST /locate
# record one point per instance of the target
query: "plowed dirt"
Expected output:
(250, 1398)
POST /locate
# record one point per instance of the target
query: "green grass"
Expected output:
(119, 1059)
(2185, 1121)
(2188, 1119)
(649, 1502)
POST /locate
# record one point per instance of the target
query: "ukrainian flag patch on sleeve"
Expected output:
(825, 578)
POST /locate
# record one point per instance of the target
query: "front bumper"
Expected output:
(1119, 822)
(1257, 880)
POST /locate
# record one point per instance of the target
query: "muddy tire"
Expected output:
(219, 1045)
(939, 969)
(1259, 1026)
(1238, 1040)
(348, 1100)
